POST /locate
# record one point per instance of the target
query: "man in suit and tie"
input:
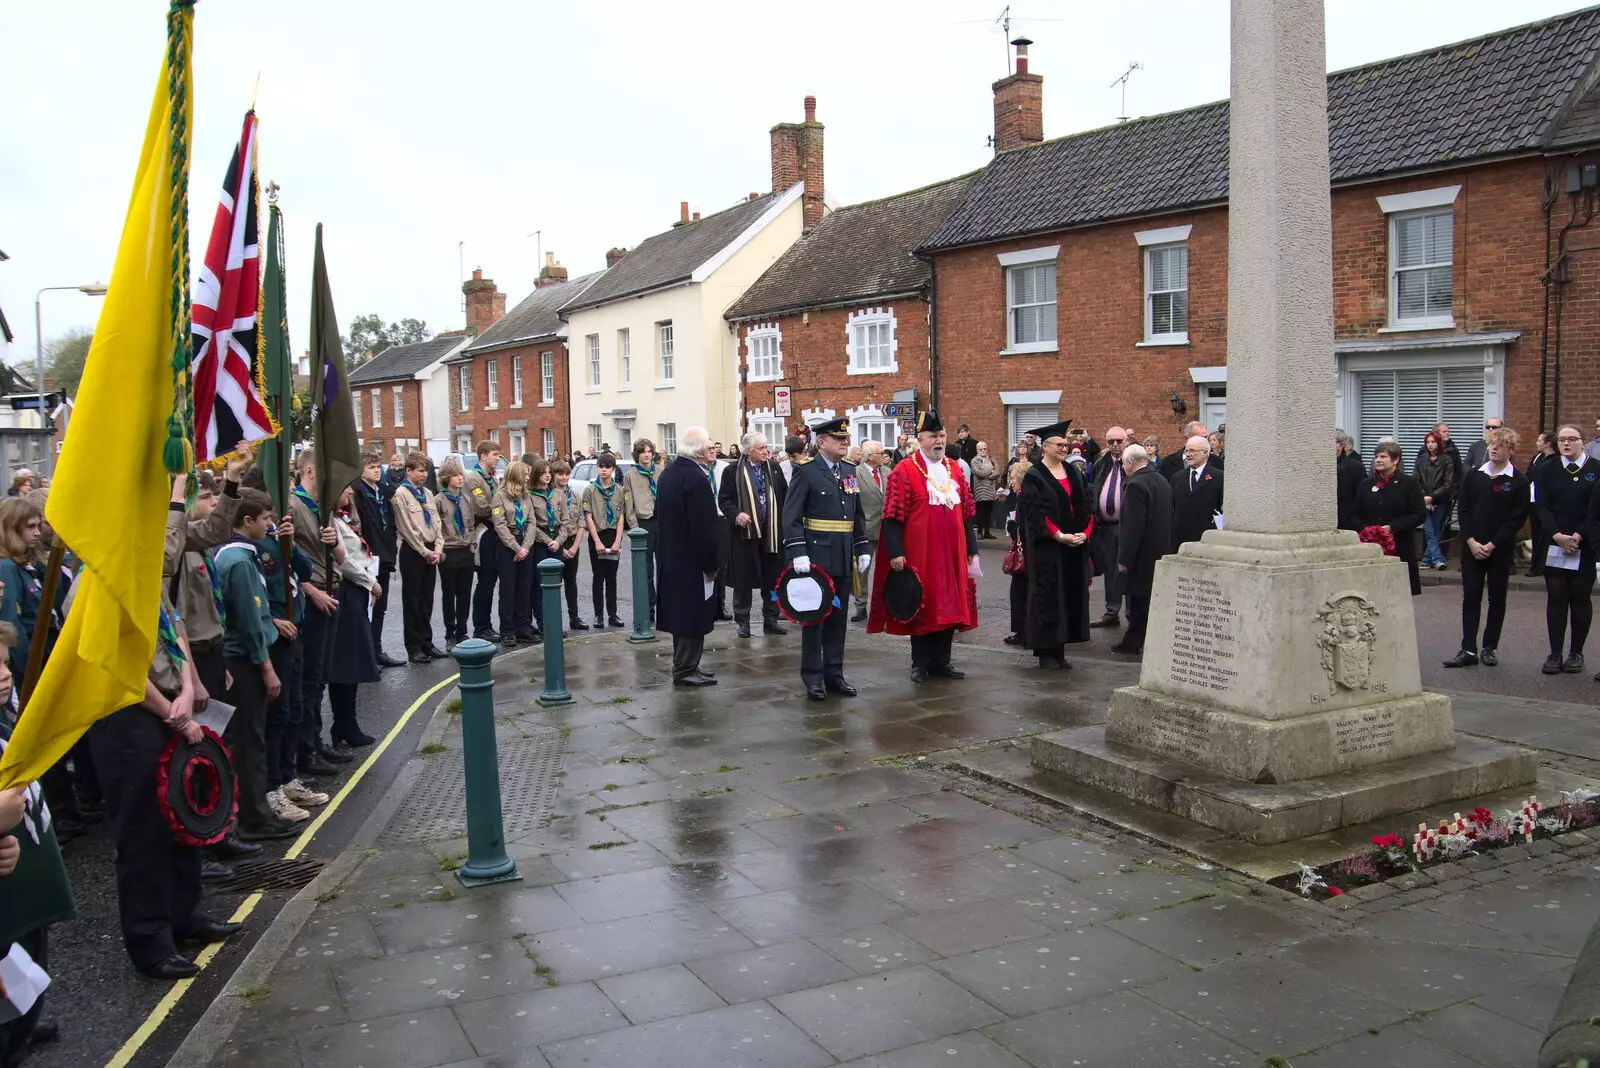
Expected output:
(1108, 492)
(874, 472)
(1146, 537)
(1196, 493)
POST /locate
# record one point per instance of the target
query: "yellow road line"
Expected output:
(164, 1007)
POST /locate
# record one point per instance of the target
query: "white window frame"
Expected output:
(763, 353)
(549, 441)
(592, 343)
(666, 353)
(595, 432)
(1022, 258)
(624, 359)
(666, 439)
(516, 381)
(399, 393)
(377, 408)
(764, 422)
(547, 378)
(518, 442)
(356, 408)
(1150, 248)
(869, 424)
(1417, 322)
(491, 384)
(464, 387)
(463, 443)
(857, 324)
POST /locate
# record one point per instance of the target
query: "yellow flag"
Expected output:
(108, 499)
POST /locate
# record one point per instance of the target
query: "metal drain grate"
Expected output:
(437, 807)
(250, 876)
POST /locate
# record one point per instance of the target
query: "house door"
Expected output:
(1214, 405)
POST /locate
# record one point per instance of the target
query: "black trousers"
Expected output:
(1496, 571)
(209, 666)
(417, 580)
(489, 550)
(569, 582)
(822, 645)
(1567, 597)
(246, 736)
(380, 607)
(604, 570)
(283, 715)
(517, 582)
(1139, 619)
(158, 879)
(686, 653)
(17, 1034)
(455, 588)
(1110, 537)
(929, 651)
(316, 643)
(342, 702)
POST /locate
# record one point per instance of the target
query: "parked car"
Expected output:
(584, 473)
(469, 460)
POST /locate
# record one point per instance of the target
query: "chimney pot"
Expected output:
(549, 259)
(614, 256)
(755, 196)
(477, 274)
(1021, 44)
(696, 217)
(683, 211)
(811, 109)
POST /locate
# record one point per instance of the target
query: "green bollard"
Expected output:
(555, 654)
(486, 846)
(639, 545)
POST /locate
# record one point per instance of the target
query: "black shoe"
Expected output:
(1463, 658)
(507, 643)
(945, 671)
(697, 679)
(207, 929)
(211, 869)
(1573, 665)
(1124, 647)
(355, 738)
(860, 614)
(44, 1033)
(919, 674)
(774, 628)
(433, 652)
(315, 766)
(88, 817)
(1552, 665)
(230, 847)
(489, 634)
(420, 657)
(267, 832)
(334, 756)
(67, 829)
(385, 660)
(1054, 663)
(176, 966)
(577, 624)
(1106, 621)
(1013, 639)
(615, 622)
(987, 537)
(531, 637)
(816, 693)
(744, 631)
(1489, 658)
(841, 687)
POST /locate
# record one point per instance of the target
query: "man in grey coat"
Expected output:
(874, 473)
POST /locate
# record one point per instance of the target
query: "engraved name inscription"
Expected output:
(1179, 735)
(1205, 635)
(1374, 730)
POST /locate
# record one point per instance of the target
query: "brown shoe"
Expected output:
(1106, 621)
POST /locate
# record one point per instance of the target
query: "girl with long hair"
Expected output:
(512, 513)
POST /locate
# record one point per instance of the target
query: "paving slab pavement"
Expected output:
(736, 876)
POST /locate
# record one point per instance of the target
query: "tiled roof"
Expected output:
(1495, 95)
(858, 253)
(671, 257)
(533, 319)
(402, 361)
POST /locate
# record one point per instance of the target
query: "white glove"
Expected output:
(863, 562)
(802, 565)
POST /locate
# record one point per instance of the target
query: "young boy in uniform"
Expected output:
(421, 548)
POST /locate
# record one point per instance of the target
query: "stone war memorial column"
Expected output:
(1280, 694)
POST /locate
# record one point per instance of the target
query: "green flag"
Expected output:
(333, 420)
(274, 454)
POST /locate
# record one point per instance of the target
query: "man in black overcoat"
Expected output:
(1146, 537)
(686, 511)
(752, 495)
(1196, 493)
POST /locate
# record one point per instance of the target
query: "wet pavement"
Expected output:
(736, 876)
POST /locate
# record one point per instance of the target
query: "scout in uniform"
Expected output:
(480, 490)
(639, 494)
(421, 548)
(602, 508)
(570, 508)
(823, 527)
(456, 519)
(515, 537)
(313, 533)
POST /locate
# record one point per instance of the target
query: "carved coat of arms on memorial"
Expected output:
(1346, 634)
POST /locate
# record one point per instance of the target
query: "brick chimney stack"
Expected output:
(683, 214)
(1019, 105)
(797, 157)
(485, 302)
(551, 273)
(614, 256)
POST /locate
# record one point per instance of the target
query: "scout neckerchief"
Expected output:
(488, 479)
(455, 501)
(606, 493)
(422, 499)
(357, 533)
(549, 508)
(275, 547)
(167, 635)
(649, 474)
(310, 502)
(216, 588)
(371, 494)
(516, 511)
(711, 474)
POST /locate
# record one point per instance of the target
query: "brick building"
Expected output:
(1086, 276)
(399, 398)
(509, 384)
(842, 319)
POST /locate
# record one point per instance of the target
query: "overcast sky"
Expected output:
(409, 127)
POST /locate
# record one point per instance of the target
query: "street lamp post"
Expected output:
(93, 289)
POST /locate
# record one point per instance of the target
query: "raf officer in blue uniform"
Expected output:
(823, 528)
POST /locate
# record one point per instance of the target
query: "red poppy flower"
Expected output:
(1334, 891)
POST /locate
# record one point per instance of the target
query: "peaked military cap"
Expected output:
(838, 428)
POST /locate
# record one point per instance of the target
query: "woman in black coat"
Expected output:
(1056, 517)
(1565, 497)
(686, 508)
(1392, 499)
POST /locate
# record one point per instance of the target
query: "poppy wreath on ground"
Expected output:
(1380, 537)
(197, 788)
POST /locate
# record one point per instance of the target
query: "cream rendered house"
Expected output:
(649, 351)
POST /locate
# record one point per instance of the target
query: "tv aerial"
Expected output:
(1123, 81)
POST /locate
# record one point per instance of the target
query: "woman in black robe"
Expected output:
(1056, 516)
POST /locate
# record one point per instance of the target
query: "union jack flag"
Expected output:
(226, 361)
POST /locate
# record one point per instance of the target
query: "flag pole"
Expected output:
(47, 602)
